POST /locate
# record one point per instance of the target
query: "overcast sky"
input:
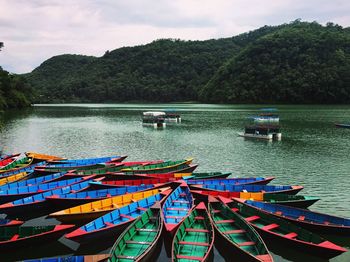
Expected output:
(35, 30)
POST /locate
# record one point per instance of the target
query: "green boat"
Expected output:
(194, 239)
(210, 175)
(164, 167)
(236, 235)
(140, 240)
(290, 200)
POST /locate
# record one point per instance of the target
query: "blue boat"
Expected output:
(87, 258)
(84, 162)
(27, 169)
(113, 222)
(176, 207)
(31, 181)
(313, 221)
(37, 201)
(79, 198)
(231, 181)
(21, 192)
(291, 190)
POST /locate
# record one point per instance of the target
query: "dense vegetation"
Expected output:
(14, 90)
(292, 63)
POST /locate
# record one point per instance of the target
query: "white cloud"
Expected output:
(35, 30)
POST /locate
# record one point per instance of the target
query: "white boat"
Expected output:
(154, 119)
(262, 132)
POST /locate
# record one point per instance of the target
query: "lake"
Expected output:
(312, 152)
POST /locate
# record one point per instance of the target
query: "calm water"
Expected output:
(312, 153)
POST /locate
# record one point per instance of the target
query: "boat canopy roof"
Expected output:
(153, 113)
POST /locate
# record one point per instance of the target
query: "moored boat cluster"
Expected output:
(133, 206)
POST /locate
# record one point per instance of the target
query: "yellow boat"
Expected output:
(13, 178)
(43, 157)
(93, 210)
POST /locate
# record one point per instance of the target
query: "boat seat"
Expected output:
(14, 237)
(194, 243)
(199, 218)
(224, 221)
(142, 208)
(270, 227)
(175, 217)
(126, 216)
(197, 230)
(252, 218)
(181, 201)
(248, 243)
(291, 235)
(235, 231)
(177, 208)
(301, 218)
(146, 230)
(189, 257)
(126, 257)
(138, 242)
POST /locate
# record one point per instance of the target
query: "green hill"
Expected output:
(292, 63)
(14, 90)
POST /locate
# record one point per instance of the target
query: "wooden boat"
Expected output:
(87, 258)
(80, 198)
(93, 210)
(6, 160)
(12, 194)
(276, 231)
(210, 175)
(290, 200)
(37, 201)
(78, 163)
(114, 221)
(43, 157)
(13, 178)
(235, 235)
(32, 181)
(140, 240)
(17, 236)
(169, 176)
(194, 239)
(313, 221)
(342, 125)
(164, 167)
(27, 169)
(9, 223)
(98, 170)
(176, 207)
(267, 189)
(17, 164)
(129, 182)
(232, 181)
(282, 199)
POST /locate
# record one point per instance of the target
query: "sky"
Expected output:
(35, 30)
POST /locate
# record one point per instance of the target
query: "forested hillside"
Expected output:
(14, 91)
(298, 62)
